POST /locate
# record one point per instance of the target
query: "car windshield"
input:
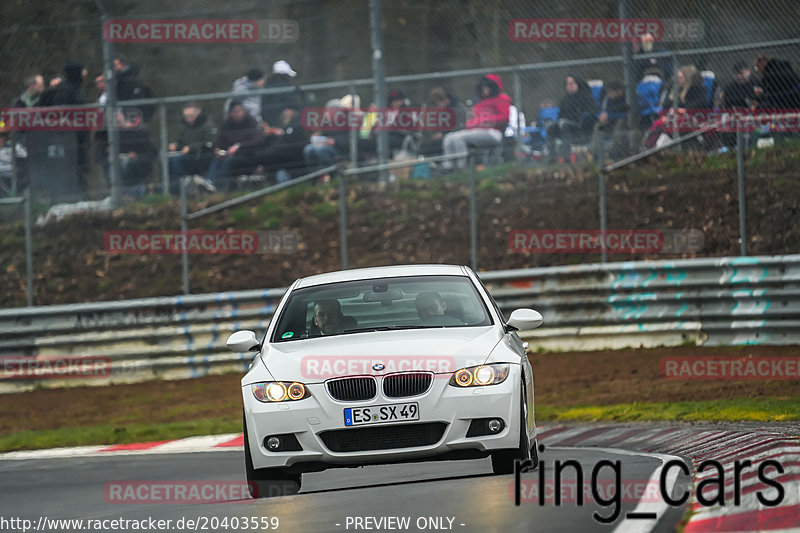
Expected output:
(381, 304)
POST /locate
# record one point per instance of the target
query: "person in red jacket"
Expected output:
(487, 123)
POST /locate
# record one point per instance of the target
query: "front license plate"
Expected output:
(377, 414)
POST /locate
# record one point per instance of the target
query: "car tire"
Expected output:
(267, 482)
(503, 460)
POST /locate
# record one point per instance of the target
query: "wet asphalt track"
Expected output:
(436, 496)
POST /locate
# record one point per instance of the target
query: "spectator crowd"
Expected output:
(264, 137)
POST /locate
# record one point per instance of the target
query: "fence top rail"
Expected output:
(12, 200)
(406, 163)
(259, 193)
(630, 266)
(349, 84)
(234, 297)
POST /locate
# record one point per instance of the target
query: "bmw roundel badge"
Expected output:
(378, 367)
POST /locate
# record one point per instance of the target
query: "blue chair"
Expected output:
(537, 134)
(710, 83)
(597, 90)
(650, 97)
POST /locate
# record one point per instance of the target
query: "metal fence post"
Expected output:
(601, 179)
(354, 133)
(379, 76)
(740, 147)
(473, 211)
(184, 229)
(343, 219)
(14, 163)
(110, 113)
(163, 149)
(28, 245)
(520, 122)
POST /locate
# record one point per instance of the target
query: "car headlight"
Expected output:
(479, 376)
(279, 391)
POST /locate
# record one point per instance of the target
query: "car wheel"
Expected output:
(503, 460)
(267, 482)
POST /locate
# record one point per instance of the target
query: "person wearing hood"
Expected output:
(576, 119)
(195, 144)
(131, 87)
(486, 125)
(69, 91)
(252, 81)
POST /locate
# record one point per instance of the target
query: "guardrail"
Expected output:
(702, 302)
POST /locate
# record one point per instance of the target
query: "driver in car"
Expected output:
(328, 317)
(431, 309)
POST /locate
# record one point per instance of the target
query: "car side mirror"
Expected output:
(524, 319)
(243, 341)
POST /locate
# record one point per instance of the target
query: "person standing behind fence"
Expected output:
(741, 93)
(70, 92)
(34, 87)
(253, 80)
(486, 125)
(780, 83)
(131, 87)
(644, 45)
(578, 114)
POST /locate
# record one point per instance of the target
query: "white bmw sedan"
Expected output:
(385, 365)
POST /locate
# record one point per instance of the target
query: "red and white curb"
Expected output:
(209, 443)
(699, 444)
(726, 447)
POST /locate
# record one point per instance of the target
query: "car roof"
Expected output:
(381, 272)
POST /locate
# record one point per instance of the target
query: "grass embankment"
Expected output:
(163, 410)
(763, 410)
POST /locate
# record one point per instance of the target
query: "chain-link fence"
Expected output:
(524, 190)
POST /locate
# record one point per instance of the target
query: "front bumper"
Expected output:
(453, 407)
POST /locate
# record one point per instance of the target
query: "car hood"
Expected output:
(440, 350)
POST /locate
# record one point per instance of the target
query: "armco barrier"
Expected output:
(711, 302)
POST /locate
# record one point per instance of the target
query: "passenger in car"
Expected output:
(431, 308)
